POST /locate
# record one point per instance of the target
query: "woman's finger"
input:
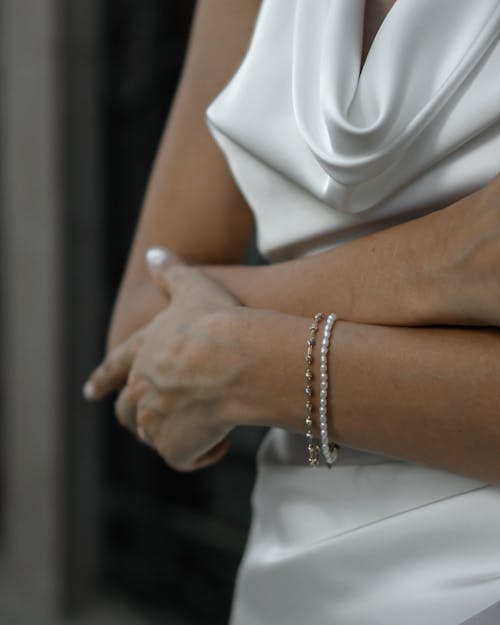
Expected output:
(158, 259)
(126, 410)
(185, 283)
(148, 423)
(112, 373)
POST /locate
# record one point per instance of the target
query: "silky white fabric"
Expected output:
(325, 153)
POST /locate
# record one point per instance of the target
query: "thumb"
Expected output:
(181, 281)
(158, 260)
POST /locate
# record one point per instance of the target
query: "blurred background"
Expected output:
(94, 528)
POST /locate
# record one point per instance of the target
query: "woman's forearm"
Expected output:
(440, 269)
(378, 278)
(382, 278)
(424, 395)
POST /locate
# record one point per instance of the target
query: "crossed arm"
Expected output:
(427, 395)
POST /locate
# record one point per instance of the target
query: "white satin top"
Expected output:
(324, 154)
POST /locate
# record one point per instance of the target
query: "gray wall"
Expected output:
(48, 131)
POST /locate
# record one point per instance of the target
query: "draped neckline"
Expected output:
(324, 152)
(358, 124)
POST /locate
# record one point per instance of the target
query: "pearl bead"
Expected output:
(323, 421)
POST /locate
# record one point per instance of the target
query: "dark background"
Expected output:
(172, 541)
(95, 529)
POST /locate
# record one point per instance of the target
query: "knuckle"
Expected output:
(136, 388)
(144, 418)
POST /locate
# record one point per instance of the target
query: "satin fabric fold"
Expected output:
(367, 544)
(418, 128)
(357, 128)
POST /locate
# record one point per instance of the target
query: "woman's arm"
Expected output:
(192, 204)
(441, 269)
(423, 395)
(205, 365)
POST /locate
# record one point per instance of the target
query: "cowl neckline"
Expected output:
(358, 124)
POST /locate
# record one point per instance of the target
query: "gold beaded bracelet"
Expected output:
(313, 449)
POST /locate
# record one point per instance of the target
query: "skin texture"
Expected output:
(426, 395)
(206, 365)
(441, 269)
(191, 189)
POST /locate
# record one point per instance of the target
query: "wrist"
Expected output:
(247, 283)
(269, 388)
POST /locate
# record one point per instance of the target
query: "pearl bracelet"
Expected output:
(330, 450)
(312, 447)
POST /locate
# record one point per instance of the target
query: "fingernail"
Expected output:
(89, 390)
(156, 256)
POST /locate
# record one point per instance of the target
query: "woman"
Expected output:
(366, 145)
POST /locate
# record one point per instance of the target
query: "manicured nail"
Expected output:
(89, 390)
(156, 256)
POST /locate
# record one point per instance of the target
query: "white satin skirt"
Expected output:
(372, 541)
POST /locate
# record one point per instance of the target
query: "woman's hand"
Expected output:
(178, 371)
(202, 366)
